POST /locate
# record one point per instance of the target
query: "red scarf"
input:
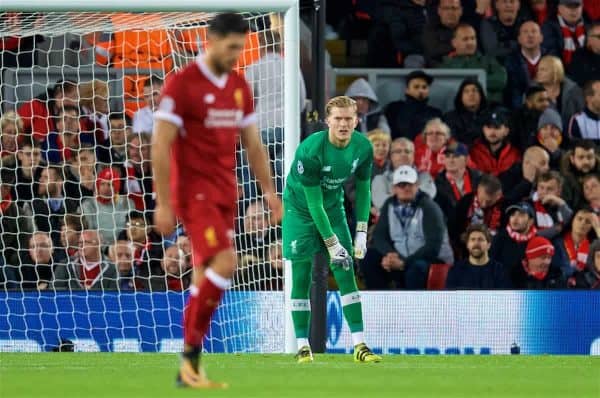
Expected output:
(541, 14)
(519, 237)
(539, 275)
(531, 67)
(5, 202)
(491, 217)
(573, 39)
(467, 188)
(543, 219)
(430, 161)
(90, 273)
(577, 255)
(134, 188)
(65, 152)
(174, 283)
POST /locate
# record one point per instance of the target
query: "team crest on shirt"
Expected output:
(209, 98)
(300, 167)
(211, 237)
(238, 97)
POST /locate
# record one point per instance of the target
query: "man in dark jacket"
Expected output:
(407, 118)
(565, 33)
(524, 121)
(397, 31)
(575, 166)
(536, 271)
(410, 236)
(465, 120)
(499, 32)
(517, 182)
(438, 33)
(585, 65)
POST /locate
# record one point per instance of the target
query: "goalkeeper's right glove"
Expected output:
(338, 254)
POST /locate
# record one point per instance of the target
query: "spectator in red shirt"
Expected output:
(493, 153)
(429, 154)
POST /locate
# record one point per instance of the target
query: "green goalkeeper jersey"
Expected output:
(319, 163)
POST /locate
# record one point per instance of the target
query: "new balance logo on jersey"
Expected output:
(326, 169)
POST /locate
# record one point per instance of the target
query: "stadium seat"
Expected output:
(436, 280)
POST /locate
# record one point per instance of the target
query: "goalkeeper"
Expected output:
(315, 220)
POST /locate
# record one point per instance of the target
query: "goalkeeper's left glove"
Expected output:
(360, 240)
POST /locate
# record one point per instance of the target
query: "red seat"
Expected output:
(436, 280)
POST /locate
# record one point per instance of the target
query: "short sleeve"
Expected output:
(308, 171)
(363, 171)
(250, 116)
(172, 102)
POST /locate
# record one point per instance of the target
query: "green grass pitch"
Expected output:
(254, 375)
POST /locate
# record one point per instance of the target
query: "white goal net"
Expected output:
(80, 261)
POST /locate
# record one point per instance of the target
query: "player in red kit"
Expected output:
(203, 111)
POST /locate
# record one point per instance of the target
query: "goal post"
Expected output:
(250, 319)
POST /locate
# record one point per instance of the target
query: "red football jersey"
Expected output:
(209, 110)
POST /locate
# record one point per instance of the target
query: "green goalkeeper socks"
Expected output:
(301, 278)
(350, 297)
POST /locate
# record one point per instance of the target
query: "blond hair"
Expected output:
(378, 135)
(11, 117)
(341, 101)
(90, 92)
(556, 65)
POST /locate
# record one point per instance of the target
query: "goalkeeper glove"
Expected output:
(339, 256)
(360, 240)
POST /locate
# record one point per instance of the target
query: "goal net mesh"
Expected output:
(77, 94)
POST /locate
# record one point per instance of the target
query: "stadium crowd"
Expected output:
(504, 187)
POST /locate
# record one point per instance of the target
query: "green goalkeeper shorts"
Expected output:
(301, 239)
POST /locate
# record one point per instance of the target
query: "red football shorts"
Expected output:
(209, 228)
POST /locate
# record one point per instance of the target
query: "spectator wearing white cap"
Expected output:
(410, 235)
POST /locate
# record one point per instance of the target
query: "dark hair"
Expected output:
(226, 23)
(584, 144)
(589, 176)
(548, 176)
(120, 116)
(63, 86)
(592, 26)
(68, 108)
(588, 88)
(490, 184)
(28, 140)
(462, 25)
(58, 169)
(271, 40)
(7, 176)
(482, 228)
(153, 79)
(135, 214)
(75, 221)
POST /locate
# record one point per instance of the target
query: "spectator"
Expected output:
(173, 276)
(143, 121)
(591, 191)
(586, 124)
(381, 151)
(29, 156)
(585, 65)
(15, 228)
(499, 32)
(407, 118)
(370, 114)
(565, 33)
(573, 245)
(429, 153)
(36, 268)
(565, 96)
(80, 174)
(493, 153)
(438, 33)
(517, 182)
(139, 172)
(541, 10)
(50, 205)
(465, 56)
(402, 153)
(70, 232)
(108, 210)
(183, 243)
(550, 136)
(589, 278)
(478, 271)
(409, 236)
(95, 109)
(11, 130)
(115, 152)
(469, 105)
(62, 144)
(510, 243)
(524, 121)
(252, 242)
(575, 166)
(522, 63)
(456, 179)
(121, 254)
(147, 245)
(90, 270)
(397, 33)
(38, 114)
(552, 213)
(484, 206)
(536, 271)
